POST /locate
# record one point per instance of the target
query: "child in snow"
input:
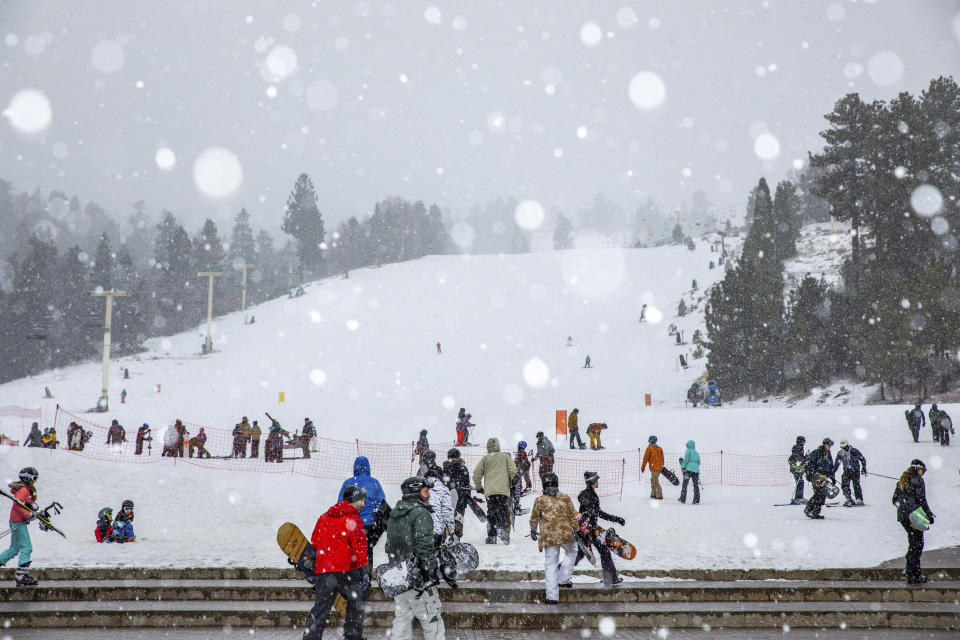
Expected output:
(104, 525)
(25, 491)
(594, 432)
(123, 524)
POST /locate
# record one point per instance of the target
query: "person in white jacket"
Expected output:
(440, 499)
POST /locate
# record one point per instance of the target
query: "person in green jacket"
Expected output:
(494, 476)
(410, 535)
(690, 465)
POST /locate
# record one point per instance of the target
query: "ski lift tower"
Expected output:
(103, 404)
(210, 275)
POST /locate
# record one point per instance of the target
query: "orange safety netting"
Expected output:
(391, 463)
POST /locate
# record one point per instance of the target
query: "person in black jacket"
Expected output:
(915, 420)
(819, 472)
(590, 511)
(796, 458)
(460, 482)
(852, 460)
(910, 495)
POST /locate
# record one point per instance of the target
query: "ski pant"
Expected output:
(349, 584)
(557, 571)
(575, 435)
(798, 492)
(239, 449)
(915, 432)
(305, 445)
(594, 440)
(255, 448)
(687, 477)
(498, 515)
(425, 607)
(606, 561)
(463, 494)
(526, 476)
(846, 479)
(914, 548)
(19, 543)
(816, 500)
(656, 491)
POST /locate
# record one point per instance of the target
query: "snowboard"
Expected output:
(670, 476)
(803, 504)
(44, 520)
(619, 546)
(454, 560)
(474, 504)
(302, 555)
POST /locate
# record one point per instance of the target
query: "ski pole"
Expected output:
(883, 476)
(14, 528)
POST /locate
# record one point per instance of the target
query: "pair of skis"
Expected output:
(42, 516)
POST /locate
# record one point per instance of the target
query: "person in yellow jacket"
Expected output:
(573, 427)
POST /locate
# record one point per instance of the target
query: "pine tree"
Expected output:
(682, 308)
(563, 233)
(435, 238)
(303, 221)
(808, 324)
(177, 278)
(786, 220)
(243, 248)
(103, 264)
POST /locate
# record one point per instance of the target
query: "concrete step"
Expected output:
(631, 590)
(469, 615)
(271, 573)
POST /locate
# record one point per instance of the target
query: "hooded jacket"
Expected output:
(654, 456)
(545, 448)
(495, 471)
(909, 500)
(410, 534)
(691, 459)
(362, 478)
(556, 518)
(339, 540)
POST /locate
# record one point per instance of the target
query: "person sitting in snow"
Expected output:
(104, 525)
(123, 524)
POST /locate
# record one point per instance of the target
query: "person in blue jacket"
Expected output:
(690, 465)
(376, 510)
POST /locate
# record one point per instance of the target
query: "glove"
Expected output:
(479, 489)
(931, 518)
(43, 514)
(864, 473)
(534, 535)
(620, 521)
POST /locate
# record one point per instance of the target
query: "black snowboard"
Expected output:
(670, 476)
(454, 561)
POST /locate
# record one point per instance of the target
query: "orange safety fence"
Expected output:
(392, 463)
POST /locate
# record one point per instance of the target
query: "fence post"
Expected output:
(639, 458)
(623, 469)
(721, 466)
(358, 445)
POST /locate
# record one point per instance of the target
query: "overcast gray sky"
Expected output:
(448, 102)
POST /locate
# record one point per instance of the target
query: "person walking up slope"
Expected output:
(654, 456)
(915, 420)
(590, 510)
(910, 495)
(797, 456)
(374, 496)
(341, 547)
(493, 476)
(440, 500)
(410, 535)
(460, 483)
(690, 465)
(819, 471)
(556, 518)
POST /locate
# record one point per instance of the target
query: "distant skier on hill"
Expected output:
(586, 363)
(643, 313)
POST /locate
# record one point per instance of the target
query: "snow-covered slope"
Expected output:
(358, 356)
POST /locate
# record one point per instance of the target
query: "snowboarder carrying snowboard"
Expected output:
(26, 492)
(797, 456)
(820, 472)
(556, 518)
(410, 535)
(492, 477)
(341, 565)
(590, 511)
(654, 456)
(460, 484)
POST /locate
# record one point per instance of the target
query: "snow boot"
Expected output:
(917, 579)
(848, 503)
(504, 534)
(566, 585)
(24, 579)
(798, 501)
(859, 503)
(491, 539)
(549, 601)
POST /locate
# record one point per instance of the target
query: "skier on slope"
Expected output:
(440, 500)
(26, 492)
(820, 471)
(851, 459)
(797, 456)
(590, 511)
(459, 476)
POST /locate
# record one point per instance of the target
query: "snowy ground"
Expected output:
(358, 356)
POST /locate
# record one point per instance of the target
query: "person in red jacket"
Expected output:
(26, 492)
(341, 547)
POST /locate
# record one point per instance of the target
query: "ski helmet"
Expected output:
(29, 475)
(126, 504)
(354, 494)
(539, 434)
(590, 477)
(410, 488)
(801, 439)
(551, 480)
(652, 439)
(105, 514)
(429, 457)
(522, 445)
(453, 454)
(827, 442)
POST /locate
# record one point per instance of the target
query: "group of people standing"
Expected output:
(689, 466)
